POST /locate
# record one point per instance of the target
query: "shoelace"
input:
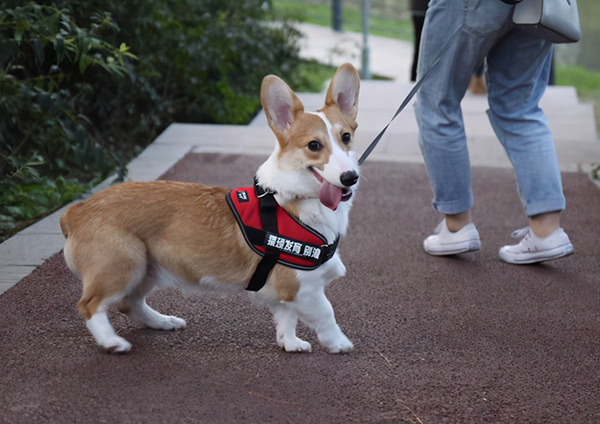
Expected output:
(520, 233)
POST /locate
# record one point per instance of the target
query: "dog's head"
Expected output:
(314, 154)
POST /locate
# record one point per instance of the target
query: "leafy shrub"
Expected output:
(23, 204)
(46, 65)
(205, 58)
(76, 102)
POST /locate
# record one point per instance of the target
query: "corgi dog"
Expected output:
(132, 238)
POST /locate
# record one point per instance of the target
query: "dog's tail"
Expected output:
(66, 220)
(63, 224)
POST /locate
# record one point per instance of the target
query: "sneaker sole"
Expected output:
(472, 246)
(548, 255)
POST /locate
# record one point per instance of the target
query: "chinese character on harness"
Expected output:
(276, 235)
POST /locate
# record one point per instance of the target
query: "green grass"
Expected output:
(313, 76)
(23, 204)
(393, 27)
(587, 84)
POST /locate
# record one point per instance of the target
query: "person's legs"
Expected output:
(442, 137)
(455, 222)
(518, 70)
(545, 224)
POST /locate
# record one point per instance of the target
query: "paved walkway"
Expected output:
(457, 340)
(572, 123)
(466, 339)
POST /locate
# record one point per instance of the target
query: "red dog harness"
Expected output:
(276, 235)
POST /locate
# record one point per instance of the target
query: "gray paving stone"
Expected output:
(48, 225)
(29, 249)
(12, 274)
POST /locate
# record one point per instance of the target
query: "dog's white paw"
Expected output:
(167, 322)
(340, 345)
(294, 345)
(115, 344)
(105, 335)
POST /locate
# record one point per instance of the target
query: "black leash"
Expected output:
(409, 97)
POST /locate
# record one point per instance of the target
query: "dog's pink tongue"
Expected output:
(330, 195)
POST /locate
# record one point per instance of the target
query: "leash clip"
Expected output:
(261, 191)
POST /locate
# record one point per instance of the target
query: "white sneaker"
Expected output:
(534, 249)
(445, 242)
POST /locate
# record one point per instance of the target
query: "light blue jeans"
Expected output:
(518, 67)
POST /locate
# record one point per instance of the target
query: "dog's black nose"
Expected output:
(349, 178)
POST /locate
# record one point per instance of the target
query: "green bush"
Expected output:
(47, 64)
(86, 84)
(203, 60)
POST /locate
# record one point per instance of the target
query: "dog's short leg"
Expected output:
(314, 309)
(135, 306)
(105, 335)
(140, 312)
(93, 306)
(286, 319)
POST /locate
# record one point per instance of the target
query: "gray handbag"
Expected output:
(555, 20)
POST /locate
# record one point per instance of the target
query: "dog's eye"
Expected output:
(346, 137)
(315, 146)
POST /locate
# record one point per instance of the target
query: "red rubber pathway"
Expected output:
(467, 339)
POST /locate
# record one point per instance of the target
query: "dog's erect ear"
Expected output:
(280, 104)
(343, 90)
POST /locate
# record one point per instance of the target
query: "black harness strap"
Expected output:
(273, 244)
(268, 219)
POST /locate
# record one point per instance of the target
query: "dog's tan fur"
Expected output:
(112, 236)
(121, 239)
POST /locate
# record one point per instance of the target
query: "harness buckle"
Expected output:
(261, 191)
